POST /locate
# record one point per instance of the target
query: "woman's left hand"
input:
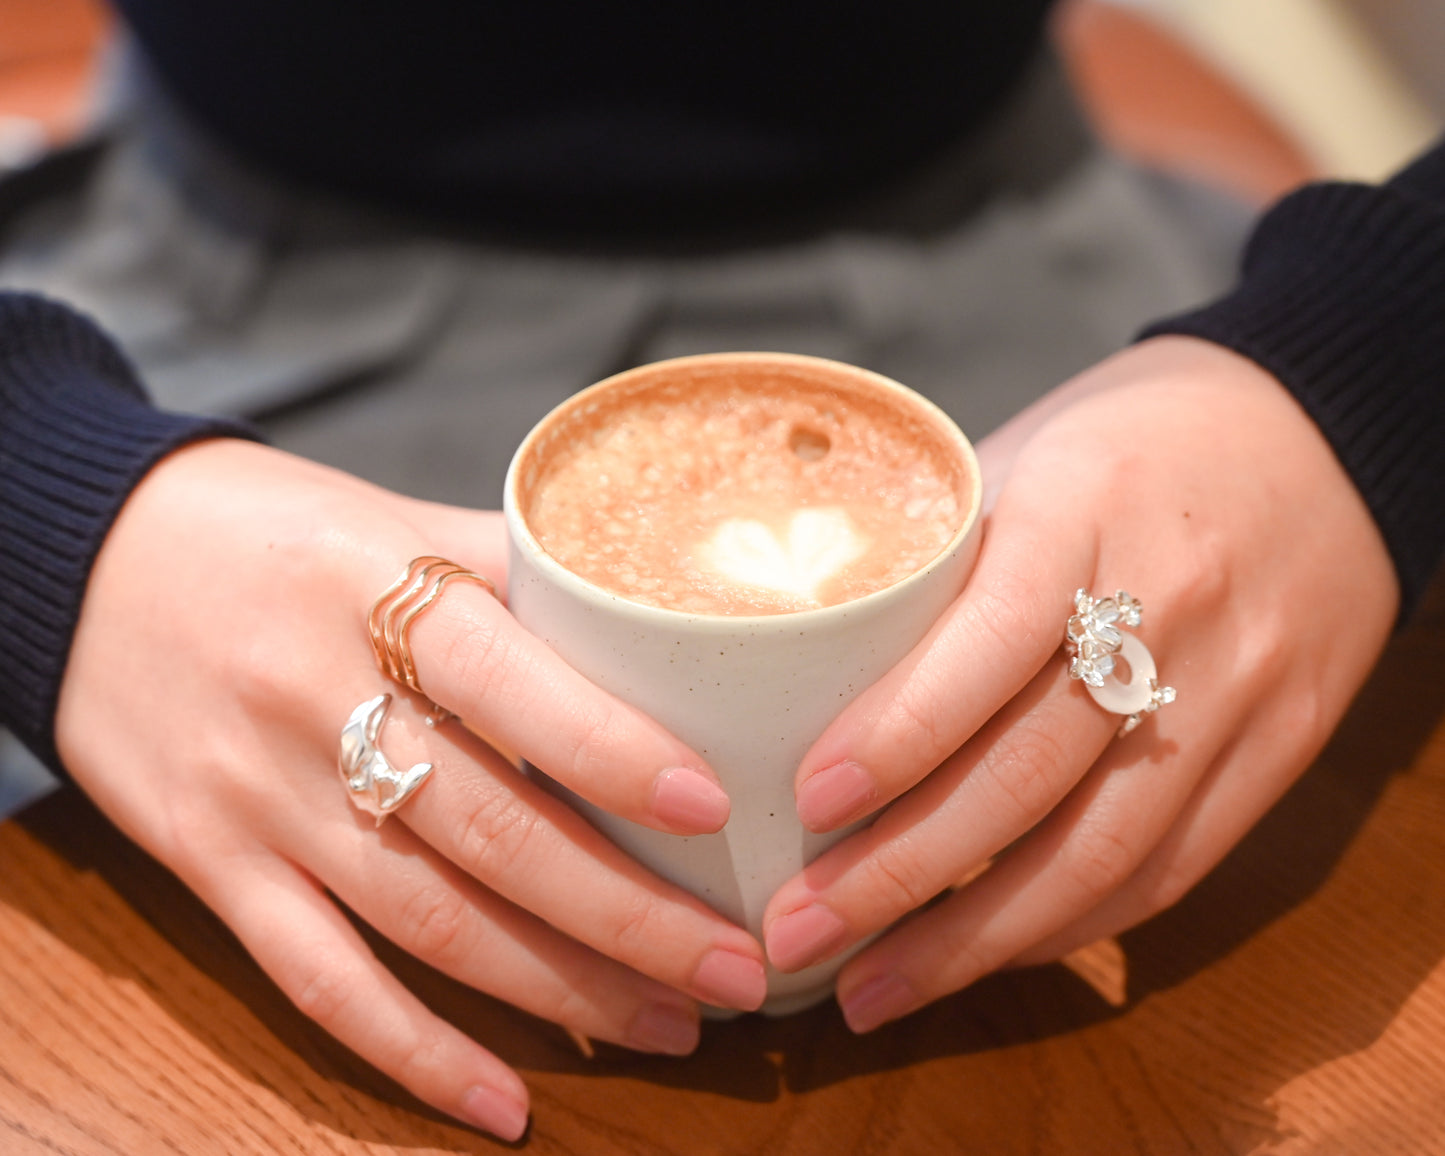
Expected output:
(1186, 475)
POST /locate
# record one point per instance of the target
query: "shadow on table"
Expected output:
(1285, 860)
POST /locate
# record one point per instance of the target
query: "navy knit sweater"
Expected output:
(76, 436)
(1341, 294)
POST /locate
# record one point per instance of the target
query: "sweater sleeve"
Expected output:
(76, 436)
(1341, 296)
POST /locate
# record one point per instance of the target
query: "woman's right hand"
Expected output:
(221, 647)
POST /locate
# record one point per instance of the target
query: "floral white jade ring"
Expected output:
(1097, 645)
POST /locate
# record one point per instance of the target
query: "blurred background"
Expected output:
(1248, 96)
(1254, 96)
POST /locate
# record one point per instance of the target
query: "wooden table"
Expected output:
(1294, 1003)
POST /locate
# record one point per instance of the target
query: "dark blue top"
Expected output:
(590, 116)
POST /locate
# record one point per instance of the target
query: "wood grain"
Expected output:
(1294, 1003)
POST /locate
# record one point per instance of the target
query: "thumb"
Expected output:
(476, 539)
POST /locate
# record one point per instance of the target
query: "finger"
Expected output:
(1298, 693)
(304, 943)
(1227, 803)
(476, 539)
(1082, 853)
(981, 653)
(503, 830)
(474, 659)
(434, 911)
(994, 790)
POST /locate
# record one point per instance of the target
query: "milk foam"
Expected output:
(732, 495)
(818, 545)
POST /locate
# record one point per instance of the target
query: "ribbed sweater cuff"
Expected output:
(1342, 298)
(76, 437)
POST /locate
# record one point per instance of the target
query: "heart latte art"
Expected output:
(743, 493)
(819, 543)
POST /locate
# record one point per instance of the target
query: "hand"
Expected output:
(221, 647)
(1186, 475)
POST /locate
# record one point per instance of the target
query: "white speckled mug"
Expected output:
(748, 692)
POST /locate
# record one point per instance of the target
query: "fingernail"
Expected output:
(496, 1112)
(884, 997)
(688, 801)
(665, 1028)
(835, 795)
(728, 979)
(805, 936)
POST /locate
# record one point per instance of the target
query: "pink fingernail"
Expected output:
(688, 801)
(836, 795)
(495, 1112)
(665, 1028)
(884, 997)
(805, 936)
(728, 979)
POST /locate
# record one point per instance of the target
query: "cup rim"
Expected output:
(521, 533)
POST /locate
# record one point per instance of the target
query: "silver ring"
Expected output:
(375, 786)
(1095, 641)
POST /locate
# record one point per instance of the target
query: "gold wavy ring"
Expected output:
(391, 616)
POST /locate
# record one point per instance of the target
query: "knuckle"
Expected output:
(1207, 577)
(901, 882)
(322, 993)
(259, 684)
(917, 716)
(1115, 469)
(593, 1010)
(1015, 615)
(1307, 718)
(595, 746)
(497, 839)
(638, 931)
(434, 920)
(1101, 863)
(1268, 652)
(423, 1059)
(968, 957)
(572, 1007)
(480, 659)
(185, 826)
(1032, 771)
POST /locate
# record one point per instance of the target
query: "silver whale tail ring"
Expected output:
(376, 787)
(1096, 642)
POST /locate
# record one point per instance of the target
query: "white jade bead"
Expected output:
(1121, 697)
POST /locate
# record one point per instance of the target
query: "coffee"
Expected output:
(744, 487)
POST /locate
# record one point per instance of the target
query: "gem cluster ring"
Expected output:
(1096, 643)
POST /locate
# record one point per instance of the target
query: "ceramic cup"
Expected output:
(749, 694)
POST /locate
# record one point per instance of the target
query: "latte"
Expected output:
(744, 488)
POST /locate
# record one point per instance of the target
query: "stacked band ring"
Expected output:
(398, 607)
(1095, 641)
